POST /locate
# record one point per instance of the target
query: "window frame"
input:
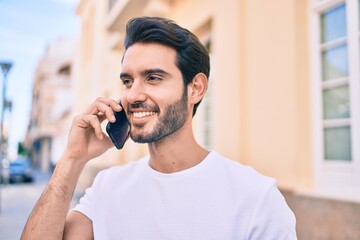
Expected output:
(334, 173)
(204, 126)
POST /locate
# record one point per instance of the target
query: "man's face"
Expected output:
(154, 96)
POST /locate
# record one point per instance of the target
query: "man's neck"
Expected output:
(176, 152)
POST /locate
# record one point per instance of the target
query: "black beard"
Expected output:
(173, 119)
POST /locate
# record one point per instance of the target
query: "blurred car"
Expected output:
(20, 171)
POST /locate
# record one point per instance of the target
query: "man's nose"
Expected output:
(136, 93)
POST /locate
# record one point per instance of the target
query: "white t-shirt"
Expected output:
(216, 199)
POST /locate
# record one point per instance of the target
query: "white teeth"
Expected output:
(143, 114)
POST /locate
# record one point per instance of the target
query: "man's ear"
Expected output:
(197, 88)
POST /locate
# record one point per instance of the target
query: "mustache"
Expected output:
(134, 106)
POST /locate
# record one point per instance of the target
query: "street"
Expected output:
(17, 201)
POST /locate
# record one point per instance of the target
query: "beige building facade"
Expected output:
(283, 94)
(257, 64)
(52, 100)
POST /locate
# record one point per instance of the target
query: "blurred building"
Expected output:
(283, 95)
(52, 101)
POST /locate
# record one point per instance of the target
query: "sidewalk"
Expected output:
(17, 201)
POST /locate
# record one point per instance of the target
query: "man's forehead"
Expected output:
(142, 56)
(153, 50)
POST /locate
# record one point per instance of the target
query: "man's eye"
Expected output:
(127, 82)
(154, 78)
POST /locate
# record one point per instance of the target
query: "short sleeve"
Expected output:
(272, 218)
(88, 201)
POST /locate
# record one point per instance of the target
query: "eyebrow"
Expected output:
(124, 75)
(146, 72)
(154, 71)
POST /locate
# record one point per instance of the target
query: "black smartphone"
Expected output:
(119, 130)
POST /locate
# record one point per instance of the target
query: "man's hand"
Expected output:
(86, 138)
(86, 141)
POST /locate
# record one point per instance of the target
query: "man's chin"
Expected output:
(140, 136)
(147, 137)
(150, 137)
(140, 139)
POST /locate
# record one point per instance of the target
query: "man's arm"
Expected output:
(48, 217)
(86, 141)
(78, 226)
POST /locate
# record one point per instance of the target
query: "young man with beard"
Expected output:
(179, 191)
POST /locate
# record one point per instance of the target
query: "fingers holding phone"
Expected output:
(119, 130)
(118, 127)
(86, 138)
(104, 108)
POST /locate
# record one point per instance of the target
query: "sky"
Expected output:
(26, 28)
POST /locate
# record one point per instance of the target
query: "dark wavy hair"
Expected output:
(192, 57)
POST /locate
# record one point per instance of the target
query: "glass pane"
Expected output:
(335, 63)
(337, 143)
(336, 102)
(333, 24)
(207, 136)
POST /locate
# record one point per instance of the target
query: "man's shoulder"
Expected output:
(241, 173)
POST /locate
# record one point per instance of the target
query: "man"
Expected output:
(181, 190)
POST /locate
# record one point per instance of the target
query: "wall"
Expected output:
(275, 90)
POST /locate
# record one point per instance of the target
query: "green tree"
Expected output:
(22, 151)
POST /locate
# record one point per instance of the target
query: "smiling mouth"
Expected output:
(143, 114)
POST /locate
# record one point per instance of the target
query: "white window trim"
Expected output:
(335, 174)
(202, 123)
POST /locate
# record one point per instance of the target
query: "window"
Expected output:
(204, 114)
(335, 53)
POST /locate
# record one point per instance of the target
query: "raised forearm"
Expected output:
(86, 141)
(48, 216)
